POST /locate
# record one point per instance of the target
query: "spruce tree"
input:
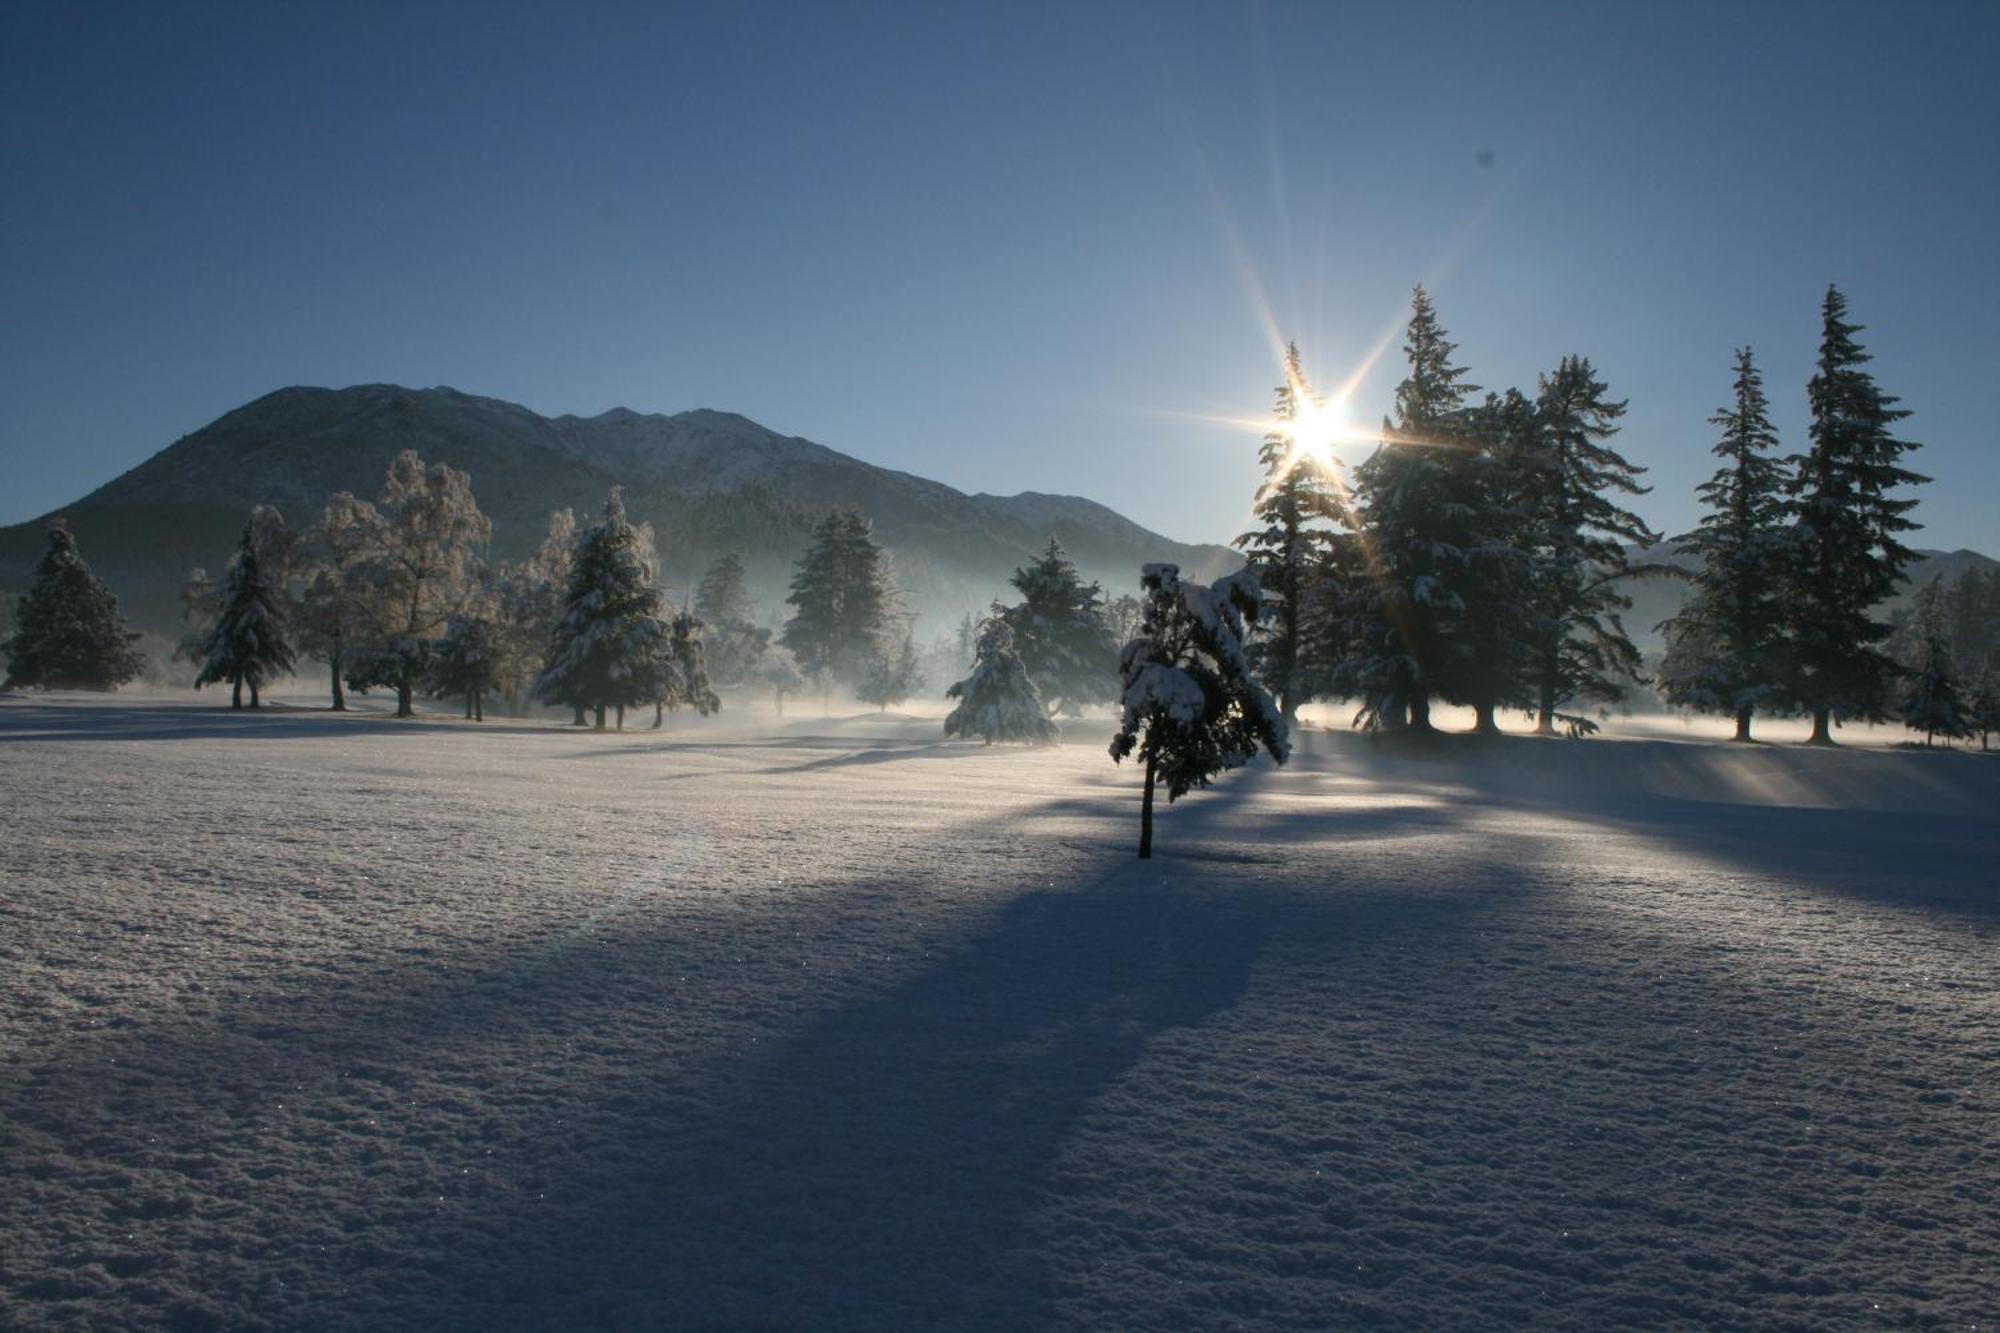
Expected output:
(528, 601)
(249, 644)
(779, 670)
(1932, 701)
(606, 650)
(1297, 505)
(1725, 647)
(67, 632)
(844, 599)
(1982, 713)
(998, 701)
(1846, 525)
(681, 675)
(1191, 705)
(891, 680)
(1579, 537)
(1491, 665)
(1418, 503)
(1061, 634)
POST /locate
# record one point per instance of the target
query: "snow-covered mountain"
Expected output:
(709, 481)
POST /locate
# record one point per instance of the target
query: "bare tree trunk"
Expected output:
(339, 692)
(236, 692)
(1484, 725)
(1420, 709)
(621, 717)
(255, 699)
(1822, 733)
(478, 706)
(1146, 813)
(405, 690)
(1742, 724)
(579, 715)
(600, 718)
(659, 715)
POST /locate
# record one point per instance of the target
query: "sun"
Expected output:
(1314, 431)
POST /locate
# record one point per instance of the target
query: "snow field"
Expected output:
(337, 1022)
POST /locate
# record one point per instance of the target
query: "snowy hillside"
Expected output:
(710, 482)
(332, 1022)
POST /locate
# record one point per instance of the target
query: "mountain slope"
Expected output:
(708, 481)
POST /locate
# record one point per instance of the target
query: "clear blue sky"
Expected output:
(1011, 247)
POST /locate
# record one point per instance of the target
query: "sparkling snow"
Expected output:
(332, 1022)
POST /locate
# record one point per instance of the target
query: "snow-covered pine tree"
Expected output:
(1417, 501)
(67, 632)
(606, 650)
(1846, 522)
(1932, 701)
(681, 677)
(1725, 647)
(998, 701)
(338, 547)
(720, 598)
(466, 663)
(1579, 536)
(779, 671)
(1299, 507)
(1060, 633)
(249, 644)
(844, 599)
(1191, 705)
(424, 568)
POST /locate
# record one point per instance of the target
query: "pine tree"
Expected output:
(845, 600)
(466, 663)
(998, 701)
(606, 650)
(1932, 702)
(721, 598)
(1191, 706)
(1417, 503)
(1725, 647)
(1579, 537)
(67, 632)
(1494, 651)
(420, 575)
(1061, 634)
(338, 547)
(248, 645)
(681, 676)
(1299, 504)
(1846, 521)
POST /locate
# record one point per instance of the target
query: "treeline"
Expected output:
(1478, 557)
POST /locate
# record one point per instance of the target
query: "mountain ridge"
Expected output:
(709, 480)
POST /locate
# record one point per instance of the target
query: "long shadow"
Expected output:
(194, 722)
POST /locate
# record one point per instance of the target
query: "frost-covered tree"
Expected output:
(607, 650)
(67, 632)
(1191, 705)
(422, 573)
(1725, 647)
(1846, 525)
(1580, 536)
(527, 603)
(333, 606)
(1061, 634)
(1932, 700)
(779, 672)
(890, 680)
(1298, 508)
(466, 664)
(844, 599)
(249, 644)
(998, 701)
(1982, 711)
(1419, 502)
(1972, 610)
(681, 676)
(721, 598)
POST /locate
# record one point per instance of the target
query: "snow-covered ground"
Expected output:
(321, 1022)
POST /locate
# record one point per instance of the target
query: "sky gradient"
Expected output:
(1011, 247)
